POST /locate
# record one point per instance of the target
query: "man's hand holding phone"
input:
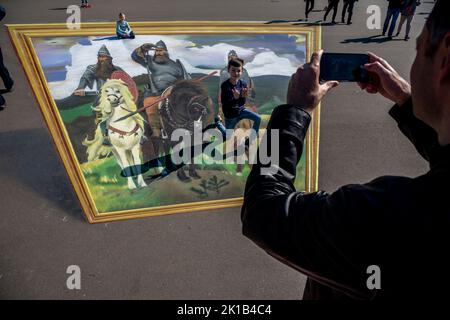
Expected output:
(304, 89)
(386, 81)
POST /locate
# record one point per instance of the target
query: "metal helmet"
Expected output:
(104, 52)
(161, 45)
(232, 54)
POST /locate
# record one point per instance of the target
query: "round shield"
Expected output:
(125, 77)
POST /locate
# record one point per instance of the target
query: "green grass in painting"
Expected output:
(70, 115)
(110, 191)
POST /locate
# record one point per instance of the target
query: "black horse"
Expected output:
(187, 102)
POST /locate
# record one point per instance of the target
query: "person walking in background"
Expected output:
(309, 6)
(392, 14)
(408, 11)
(332, 4)
(348, 6)
(85, 4)
(4, 74)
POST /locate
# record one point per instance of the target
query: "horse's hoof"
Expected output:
(182, 176)
(194, 175)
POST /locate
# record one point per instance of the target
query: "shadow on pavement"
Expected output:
(106, 38)
(372, 39)
(32, 161)
(282, 21)
(58, 9)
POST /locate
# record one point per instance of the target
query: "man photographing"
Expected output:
(399, 224)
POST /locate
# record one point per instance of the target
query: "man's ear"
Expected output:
(445, 60)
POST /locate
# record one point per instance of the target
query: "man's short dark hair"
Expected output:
(438, 24)
(235, 62)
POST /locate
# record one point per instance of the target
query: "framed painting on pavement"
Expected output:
(113, 107)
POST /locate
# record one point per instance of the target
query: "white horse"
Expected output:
(116, 101)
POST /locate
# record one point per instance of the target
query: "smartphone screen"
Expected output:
(344, 67)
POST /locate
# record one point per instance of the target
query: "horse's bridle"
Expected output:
(118, 103)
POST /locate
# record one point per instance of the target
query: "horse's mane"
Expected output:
(127, 100)
(189, 86)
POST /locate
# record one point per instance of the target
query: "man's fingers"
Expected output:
(315, 58)
(377, 68)
(330, 85)
(368, 87)
(362, 85)
(372, 90)
(374, 58)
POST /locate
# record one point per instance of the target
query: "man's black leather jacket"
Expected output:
(400, 224)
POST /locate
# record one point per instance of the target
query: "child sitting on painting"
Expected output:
(234, 92)
(123, 29)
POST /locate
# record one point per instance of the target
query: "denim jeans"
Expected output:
(230, 123)
(391, 13)
(408, 24)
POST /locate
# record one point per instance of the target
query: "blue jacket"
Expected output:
(122, 28)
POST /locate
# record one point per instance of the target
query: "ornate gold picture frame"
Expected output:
(59, 61)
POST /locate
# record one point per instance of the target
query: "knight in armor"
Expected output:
(98, 73)
(162, 71)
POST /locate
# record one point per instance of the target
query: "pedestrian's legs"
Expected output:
(386, 21)
(335, 9)
(2, 102)
(393, 22)
(311, 7)
(408, 26)
(350, 12)
(4, 74)
(132, 36)
(343, 11)
(400, 25)
(306, 8)
(327, 12)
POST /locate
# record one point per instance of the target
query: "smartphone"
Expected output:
(344, 67)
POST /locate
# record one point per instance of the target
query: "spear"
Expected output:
(161, 99)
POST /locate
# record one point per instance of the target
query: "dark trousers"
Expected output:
(6, 78)
(331, 5)
(309, 7)
(4, 74)
(348, 6)
(392, 15)
(132, 36)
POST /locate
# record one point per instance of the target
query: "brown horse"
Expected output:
(184, 103)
